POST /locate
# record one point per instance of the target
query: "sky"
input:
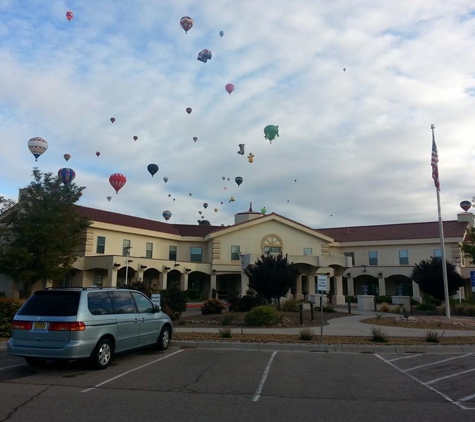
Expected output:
(354, 86)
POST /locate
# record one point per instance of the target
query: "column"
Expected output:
(381, 285)
(351, 285)
(298, 287)
(311, 284)
(212, 285)
(184, 281)
(162, 280)
(244, 283)
(416, 293)
(338, 297)
(111, 278)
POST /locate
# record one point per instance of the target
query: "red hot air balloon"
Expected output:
(229, 88)
(69, 15)
(117, 181)
(189, 110)
(67, 157)
(465, 205)
(186, 23)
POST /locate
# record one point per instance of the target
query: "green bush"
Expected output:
(378, 335)
(432, 337)
(8, 309)
(173, 302)
(326, 309)
(351, 299)
(305, 334)
(245, 303)
(225, 333)
(426, 307)
(428, 299)
(291, 305)
(465, 309)
(228, 319)
(212, 306)
(384, 299)
(263, 315)
(193, 294)
(147, 287)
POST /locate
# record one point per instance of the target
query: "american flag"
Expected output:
(434, 163)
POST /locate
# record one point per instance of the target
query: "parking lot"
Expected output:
(236, 385)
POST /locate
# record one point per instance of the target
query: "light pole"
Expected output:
(127, 264)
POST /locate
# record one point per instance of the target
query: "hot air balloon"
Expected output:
(200, 212)
(152, 169)
(221, 34)
(66, 175)
(215, 210)
(238, 180)
(98, 153)
(67, 157)
(224, 177)
(231, 199)
(250, 157)
(195, 138)
(241, 149)
(165, 179)
(222, 202)
(169, 195)
(109, 198)
(117, 181)
(37, 146)
(112, 120)
(263, 210)
(173, 198)
(189, 194)
(465, 205)
(204, 55)
(186, 23)
(270, 132)
(229, 179)
(189, 110)
(135, 138)
(344, 69)
(166, 215)
(205, 205)
(229, 88)
(69, 15)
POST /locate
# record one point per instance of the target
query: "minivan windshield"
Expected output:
(51, 303)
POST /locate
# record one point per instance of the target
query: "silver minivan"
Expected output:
(93, 323)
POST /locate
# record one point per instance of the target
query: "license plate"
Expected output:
(39, 326)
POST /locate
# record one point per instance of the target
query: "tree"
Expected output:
(429, 276)
(468, 245)
(45, 233)
(272, 276)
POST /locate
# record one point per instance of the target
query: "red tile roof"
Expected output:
(403, 231)
(146, 224)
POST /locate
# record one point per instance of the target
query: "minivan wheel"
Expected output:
(164, 338)
(102, 354)
(35, 361)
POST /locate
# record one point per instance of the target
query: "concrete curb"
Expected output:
(322, 348)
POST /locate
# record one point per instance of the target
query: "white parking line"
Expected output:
(445, 396)
(263, 379)
(467, 398)
(405, 357)
(450, 376)
(436, 363)
(132, 370)
(13, 366)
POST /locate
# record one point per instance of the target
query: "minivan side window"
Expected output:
(123, 303)
(99, 303)
(143, 304)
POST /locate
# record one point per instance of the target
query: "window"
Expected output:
(373, 258)
(101, 244)
(143, 304)
(272, 244)
(307, 251)
(98, 277)
(196, 254)
(438, 253)
(172, 253)
(403, 257)
(235, 253)
(350, 255)
(123, 303)
(149, 250)
(272, 249)
(99, 303)
(126, 247)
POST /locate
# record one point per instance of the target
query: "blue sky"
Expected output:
(354, 145)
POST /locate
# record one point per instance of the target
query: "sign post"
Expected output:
(156, 299)
(322, 286)
(472, 279)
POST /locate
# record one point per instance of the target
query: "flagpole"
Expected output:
(442, 243)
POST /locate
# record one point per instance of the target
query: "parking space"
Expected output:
(450, 376)
(235, 385)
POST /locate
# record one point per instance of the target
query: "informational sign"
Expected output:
(156, 299)
(322, 283)
(472, 279)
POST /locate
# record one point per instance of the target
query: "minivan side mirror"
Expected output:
(157, 308)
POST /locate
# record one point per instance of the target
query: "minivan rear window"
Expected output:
(51, 303)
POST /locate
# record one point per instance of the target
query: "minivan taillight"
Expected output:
(22, 325)
(66, 326)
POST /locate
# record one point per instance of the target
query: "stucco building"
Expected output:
(120, 249)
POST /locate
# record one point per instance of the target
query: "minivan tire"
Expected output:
(34, 361)
(102, 354)
(164, 338)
